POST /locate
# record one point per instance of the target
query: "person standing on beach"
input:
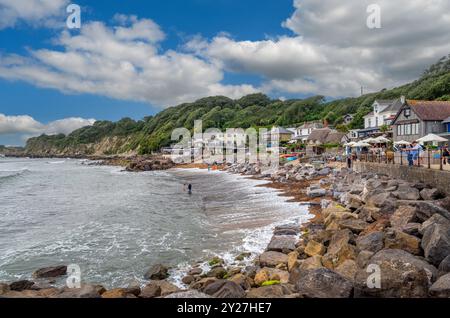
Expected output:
(445, 155)
(190, 188)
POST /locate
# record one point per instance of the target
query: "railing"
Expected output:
(431, 159)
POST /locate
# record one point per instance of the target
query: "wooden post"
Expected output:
(401, 157)
(429, 158)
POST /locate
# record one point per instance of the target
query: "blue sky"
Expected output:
(133, 58)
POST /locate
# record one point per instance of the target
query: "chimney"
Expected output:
(403, 100)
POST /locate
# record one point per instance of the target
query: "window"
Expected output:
(408, 129)
(407, 112)
(415, 129)
(399, 131)
(369, 122)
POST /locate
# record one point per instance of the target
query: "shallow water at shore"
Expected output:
(116, 224)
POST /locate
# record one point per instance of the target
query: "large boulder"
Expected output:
(339, 249)
(441, 288)
(347, 269)
(190, 294)
(426, 209)
(436, 239)
(401, 275)
(50, 272)
(284, 244)
(316, 193)
(242, 280)
(157, 272)
(273, 291)
(314, 248)
(323, 283)
(385, 201)
(203, 283)
(369, 213)
(118, 293)
(21, 285)
(286, 230)
(85, 291)
(152, 290)
(407, 193)
(224, 289)
(354, 225)
(271, 274)
(218, 272)
(444, 267)
(402, 216)
(4, 288)
(293, 260)
(431, 194)
(395, 239)
(166, 287)
(272, 259)
(42, 293)
(372, 242)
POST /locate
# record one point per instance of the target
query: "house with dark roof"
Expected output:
(324, 136)
(384, 112)
(306, 129)
(417, 118)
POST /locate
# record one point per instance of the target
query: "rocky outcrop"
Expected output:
(323, 283)
(441, 288)
(50, 272)
(157, 272)
(436, 239)
(400, 275)
(272, 259)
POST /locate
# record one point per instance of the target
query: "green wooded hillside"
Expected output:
(257, 110)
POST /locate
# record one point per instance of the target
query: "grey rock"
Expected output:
(444, 267)
(224, 289)
(21, 285)
(436, 242)
(157, 272)
(363, 258)
(407, 193)
(402, 275)
(283, 244)
(431, 194)
(441, 288)
(372, 242)
(426, 209)
(316, 193)
(86, 291)
(50, 272)
(323, 283)
(188, 295)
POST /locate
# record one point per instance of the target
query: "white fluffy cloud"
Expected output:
(35, 12)
(122, 62)
(27, 126)
(333, 52)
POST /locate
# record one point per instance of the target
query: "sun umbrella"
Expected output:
(431, 138)
(350, 144)
(361, 144)
(370, 141)
(382, 140)
(402, 142)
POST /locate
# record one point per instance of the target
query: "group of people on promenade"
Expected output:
(412, 152)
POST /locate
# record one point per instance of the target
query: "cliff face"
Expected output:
(106, 146)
